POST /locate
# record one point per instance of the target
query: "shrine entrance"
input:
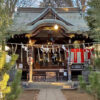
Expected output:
(48, 53)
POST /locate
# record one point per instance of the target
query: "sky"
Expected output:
(37, 2)
(34, 3)
(30, 3)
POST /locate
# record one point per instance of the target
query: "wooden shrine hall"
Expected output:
(51, 43)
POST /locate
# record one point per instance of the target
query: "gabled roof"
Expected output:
(27, 20)
(53, 12)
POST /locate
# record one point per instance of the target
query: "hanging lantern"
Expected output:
(56, 27)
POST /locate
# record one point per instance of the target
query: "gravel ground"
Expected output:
(69, 94)
(76, 95)
(29, 95)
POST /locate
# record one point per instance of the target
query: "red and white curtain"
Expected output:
(80, 55)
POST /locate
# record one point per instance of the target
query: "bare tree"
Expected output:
(28, 3)
(58, 3)
(10, 6)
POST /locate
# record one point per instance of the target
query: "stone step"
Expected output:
(43, 85)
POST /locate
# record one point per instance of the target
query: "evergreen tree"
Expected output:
(4, 76)
(93, 19)
(15, 87)
(6, 12)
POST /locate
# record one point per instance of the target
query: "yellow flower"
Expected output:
(7, 90)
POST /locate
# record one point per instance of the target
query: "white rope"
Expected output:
(37, 45)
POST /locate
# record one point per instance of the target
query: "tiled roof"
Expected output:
(27, 19)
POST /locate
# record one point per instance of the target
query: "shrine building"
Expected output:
(52, 43)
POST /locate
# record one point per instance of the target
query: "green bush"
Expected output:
(82, 82)
(97, 62)
(15, 87)
(94, 84)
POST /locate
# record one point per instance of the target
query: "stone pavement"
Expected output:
(50, 94)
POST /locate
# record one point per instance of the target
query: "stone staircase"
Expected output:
(56, 85)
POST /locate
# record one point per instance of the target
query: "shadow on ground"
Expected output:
(29, 95)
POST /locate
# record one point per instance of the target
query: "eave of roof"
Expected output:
(33, 28)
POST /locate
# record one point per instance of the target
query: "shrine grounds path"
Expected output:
(51, 94)
(54, 94)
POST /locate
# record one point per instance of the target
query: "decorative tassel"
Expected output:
(83, 46)
(15, 49)
(38, 55)
(53, 51)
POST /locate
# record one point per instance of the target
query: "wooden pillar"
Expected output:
(30, 64)
(30, 73)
